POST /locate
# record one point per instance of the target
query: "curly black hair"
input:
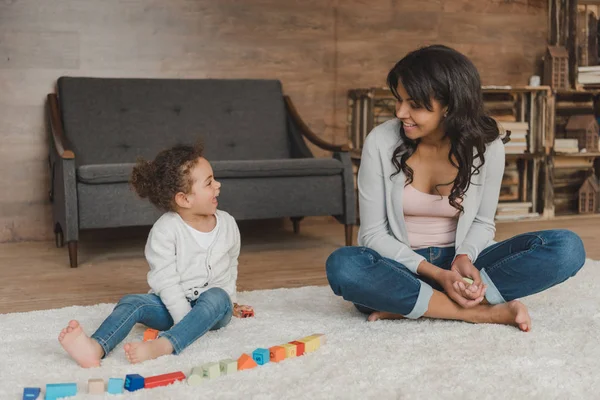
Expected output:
(160, 180)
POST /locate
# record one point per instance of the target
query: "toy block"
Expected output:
(310, 344)
(197, 377)
(211, 370)
(96, 386)
(134, 382)
(299, 347)
(261, 356)
(290, 350)
(322, 338)
(276, 354)
(150, 334)
(57, 390)
(31, 393)
(115, 386)
(163, 380)
(247, 313)
(246, 362)
(468, 280)
(228, 366)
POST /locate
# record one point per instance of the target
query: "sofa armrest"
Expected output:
(61, 144)
(308, 133)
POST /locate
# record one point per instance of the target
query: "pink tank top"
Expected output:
(430, 219)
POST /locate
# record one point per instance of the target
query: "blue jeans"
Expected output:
(212, 310)
(515, 268)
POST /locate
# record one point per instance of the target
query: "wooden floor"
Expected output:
(36, 275)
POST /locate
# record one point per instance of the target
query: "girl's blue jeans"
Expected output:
(515, 268)
(212, 310)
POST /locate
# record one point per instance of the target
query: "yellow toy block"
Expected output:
(96, 386)
(468, 280)
(290, 350)
(310, 344)
(322, 338)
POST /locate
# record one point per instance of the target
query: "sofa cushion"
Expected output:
(117, 120)
(114, 173)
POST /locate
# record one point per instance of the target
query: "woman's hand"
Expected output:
(242, 311)
(465, 268)
(449, 280)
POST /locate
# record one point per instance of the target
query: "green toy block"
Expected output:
(228, 366)
(197, 377)
(211, 370)
(468, 280)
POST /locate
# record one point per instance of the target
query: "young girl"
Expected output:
(429, 183)
(193, 254)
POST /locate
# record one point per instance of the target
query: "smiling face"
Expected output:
(417, 120)
(202, 199)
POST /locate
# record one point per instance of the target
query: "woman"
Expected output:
(428, 185)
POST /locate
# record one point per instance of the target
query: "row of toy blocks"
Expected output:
(212, 370)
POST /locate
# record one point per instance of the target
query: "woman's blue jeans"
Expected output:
(212, 310)
(515, 268)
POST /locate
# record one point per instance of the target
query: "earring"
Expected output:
(445, 114)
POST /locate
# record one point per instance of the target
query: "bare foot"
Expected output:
(137, 352)
(377, 315)
(83, 349)
(513, 313)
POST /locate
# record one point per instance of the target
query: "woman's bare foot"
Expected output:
(137, 352)
(83, 349)
(377, 315)
(512, 313)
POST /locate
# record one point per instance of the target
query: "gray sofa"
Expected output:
(252, 133)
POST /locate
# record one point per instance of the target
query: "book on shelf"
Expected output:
(566, 145)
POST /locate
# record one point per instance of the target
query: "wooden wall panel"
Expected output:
(318, 49)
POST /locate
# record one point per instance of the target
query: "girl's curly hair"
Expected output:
(160, 180)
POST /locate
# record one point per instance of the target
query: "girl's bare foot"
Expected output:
(377, 315)
(83, 349)
(512, 313)
(137, 352)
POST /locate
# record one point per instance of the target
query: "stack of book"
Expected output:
(519, 131)
(589, 77)
(515, 211)
(566, 145)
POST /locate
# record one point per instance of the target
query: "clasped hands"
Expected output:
(465, 294)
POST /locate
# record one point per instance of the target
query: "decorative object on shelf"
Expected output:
(588, 196)
(556, 67)
(584, 128)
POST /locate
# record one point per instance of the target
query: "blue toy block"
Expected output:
(31, 393)
(261, 356)
(57, 390)
(134, 382)
(115, 386)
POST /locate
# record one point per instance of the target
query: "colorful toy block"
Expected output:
(57, 390)
(31, 393)
(96, 386)
(276, 354)
(468, 280)
(211, 370)
(134, 382)
(290, 350)
(163, 380)
(115, 386)
(247, 313)
(261, 356)
(310, 344)
(197, 377)
(322, 338)
(246, 362)
(150, 334)
(228, 366)
(299, 347)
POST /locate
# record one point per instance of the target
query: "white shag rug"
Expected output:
(558, 359)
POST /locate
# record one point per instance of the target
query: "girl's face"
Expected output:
(202, 198)
(419, 122)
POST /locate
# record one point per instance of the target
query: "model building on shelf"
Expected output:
(588, 196)
(584, 128)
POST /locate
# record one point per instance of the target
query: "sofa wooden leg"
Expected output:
(296, 223)
(349, 234)
(73, 253)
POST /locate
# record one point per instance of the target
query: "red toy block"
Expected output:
(150, 334)
(299, 348)
(163, 380)
(277, 353)
(247, 313)
(246, 362)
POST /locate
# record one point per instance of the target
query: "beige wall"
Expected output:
(317, 48)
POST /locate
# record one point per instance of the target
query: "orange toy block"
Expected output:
(163, 380)
(277, 353)
(246, 362)
(299, 347)
(150, 334)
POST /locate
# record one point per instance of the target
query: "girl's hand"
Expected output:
(449, 281)
(242, 311)
(465, 268)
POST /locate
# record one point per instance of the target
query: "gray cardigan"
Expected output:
(382, 226)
